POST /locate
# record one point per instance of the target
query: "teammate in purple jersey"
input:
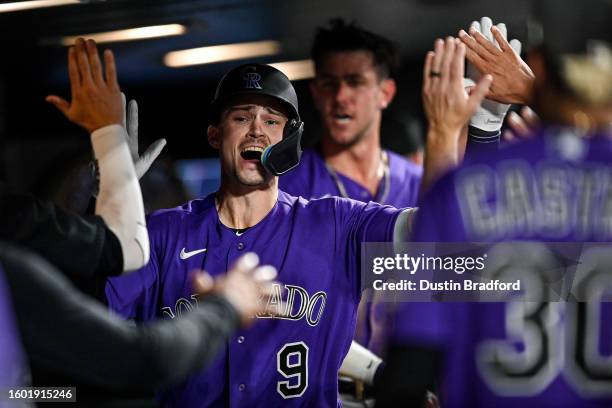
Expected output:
(291, 360)
(555, 187)
(353, 84)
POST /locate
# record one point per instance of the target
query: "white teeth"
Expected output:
(343, 120)
(252, 149)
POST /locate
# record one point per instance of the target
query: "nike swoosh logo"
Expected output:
(185, 255)
(239, 233)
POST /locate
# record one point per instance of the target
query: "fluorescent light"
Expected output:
(130, 34)
(296, 70)
(218, 53)
(26, 5)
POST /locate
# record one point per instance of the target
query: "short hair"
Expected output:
(341, 36)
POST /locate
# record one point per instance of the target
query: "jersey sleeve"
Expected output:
(135, 295)
(360, 223)
(79, 246)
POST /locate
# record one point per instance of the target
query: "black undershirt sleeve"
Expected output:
(81, 247)
(65, 330)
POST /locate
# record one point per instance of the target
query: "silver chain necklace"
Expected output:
(386, 177)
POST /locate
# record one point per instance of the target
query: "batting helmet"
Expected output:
(257, 79)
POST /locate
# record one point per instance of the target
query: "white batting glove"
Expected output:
(490, 114)
(143, 162)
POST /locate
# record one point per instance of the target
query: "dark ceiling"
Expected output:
(173, 102)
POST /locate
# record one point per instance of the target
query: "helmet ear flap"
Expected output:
(285, 155)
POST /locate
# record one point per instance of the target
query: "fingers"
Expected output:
(73, 72)
(485, 28)
(263, 274)
(94, 62)
(246, 263)
(449, 53)
(500, 38)
(474, 51)
(111, 70)
(153, 151)
(479, 92)
(485, 43)
(203, 283)
(83, 62)
(436, 64)
(530, 116)
(427, 70)
(132, 122)
(458, 63)
(123, 120)
(59, 103)
(516, 46)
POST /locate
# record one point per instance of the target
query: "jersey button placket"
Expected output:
(240, 246)
(240, 339)
(241, 387)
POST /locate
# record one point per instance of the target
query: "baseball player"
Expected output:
(291, 360)
(554, 187)
(67, 332)
(354, 83)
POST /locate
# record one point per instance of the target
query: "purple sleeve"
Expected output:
(12, 367)
(135, 294)
(362, 223)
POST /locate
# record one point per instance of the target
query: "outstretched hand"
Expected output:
(95, 97)
(247, 286)
(143, 162)
(513, 79)
(448, 106)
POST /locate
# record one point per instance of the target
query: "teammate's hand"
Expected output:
(513, 79)
(246, 286)
(521, 126)
(448, 106)
(95, 100)
(490, 114)
(143, 162)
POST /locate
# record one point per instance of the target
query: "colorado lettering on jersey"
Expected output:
(515, 199)
(297, 305)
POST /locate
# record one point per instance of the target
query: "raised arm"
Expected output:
(96, 105)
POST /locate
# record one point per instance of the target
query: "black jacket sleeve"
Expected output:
(64, 329)
(81, 247)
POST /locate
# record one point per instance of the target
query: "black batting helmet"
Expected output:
(256, 79)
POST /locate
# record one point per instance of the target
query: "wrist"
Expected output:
(442, 138)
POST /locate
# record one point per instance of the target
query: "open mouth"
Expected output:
(252, 153)
(341, 118)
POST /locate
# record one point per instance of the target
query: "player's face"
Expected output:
(248, 125)
(350, 96)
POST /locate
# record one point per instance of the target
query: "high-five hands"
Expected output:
(490, 52)
(95, 97)
(447, 105)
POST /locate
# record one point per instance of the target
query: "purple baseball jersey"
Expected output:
(12, 361)
(288, 361)
(556, 187)
(312, 179)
